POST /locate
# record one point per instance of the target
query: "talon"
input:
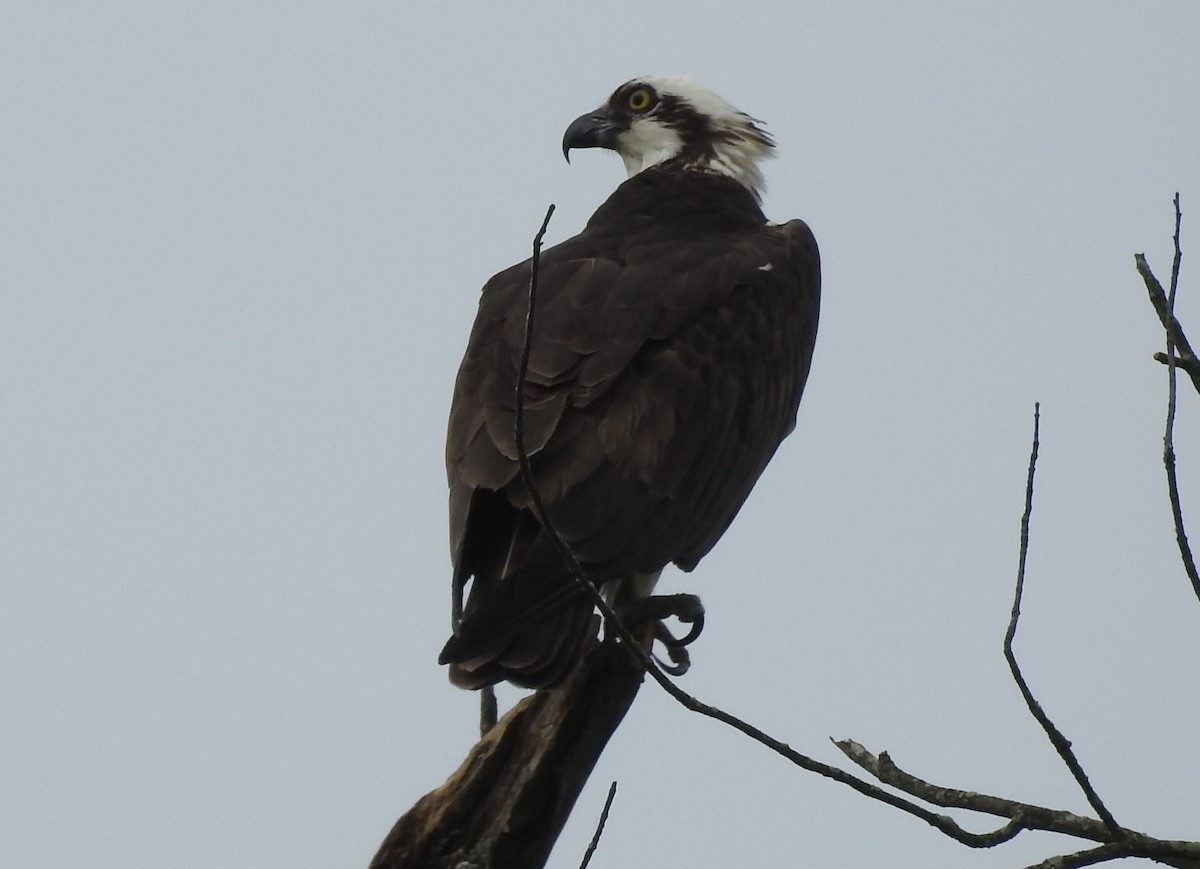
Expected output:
(697, 622)
(688, 609)
(681, 661)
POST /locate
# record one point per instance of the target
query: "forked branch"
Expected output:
(1182, 354)
(1061, 744)
(1179, 354)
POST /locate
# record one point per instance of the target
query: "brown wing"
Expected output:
(663, 375)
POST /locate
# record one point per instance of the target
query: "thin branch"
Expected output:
(1185, 550)
(1176, 260)
(1089, 857)
(1185, 356)
(488, 710)
(591, 848)
(944, 823)
(1061, 744)
(1022, 816)
(1025, 815)
(1145, 848)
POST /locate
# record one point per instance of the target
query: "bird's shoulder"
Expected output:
(662, 241)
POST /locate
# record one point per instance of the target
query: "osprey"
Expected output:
(672, 340)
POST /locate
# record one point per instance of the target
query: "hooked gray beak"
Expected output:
(593, 130)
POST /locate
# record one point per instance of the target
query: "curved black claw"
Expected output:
(681, 660)
(671, 641)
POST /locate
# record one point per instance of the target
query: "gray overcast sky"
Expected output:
(241, 247)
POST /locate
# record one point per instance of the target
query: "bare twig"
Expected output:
(1190, 365)
(1061, 744)
(591, 848)
(1022, 816)
(1185, 550)
(488, 711)
(1089, 857)
(1176, 260)
(1185, 357)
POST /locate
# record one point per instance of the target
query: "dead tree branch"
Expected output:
(1061, 744)
(1185, 357)
(591, 848)
(1023, 816)
(1179, 354)
(506, 804)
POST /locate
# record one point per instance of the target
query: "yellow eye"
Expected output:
(640, 100)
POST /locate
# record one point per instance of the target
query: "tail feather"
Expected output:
(527, 628)
(538, 658)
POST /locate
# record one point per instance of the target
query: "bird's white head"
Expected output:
(653, 119)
